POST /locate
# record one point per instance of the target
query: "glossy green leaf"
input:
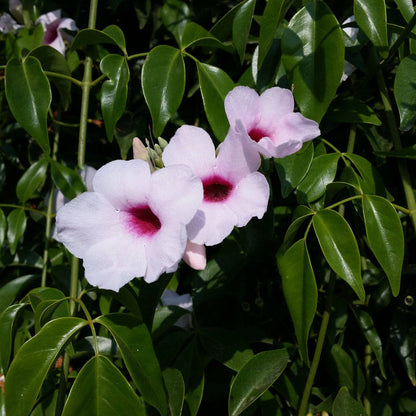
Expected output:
(33, 361)
(32, 179)
(299, 216)
(12, 289)
(114, 90)
(175, 15)
(106, 346)
(272, 15)
(196, 35)
(300, 291)
(340, 248)
(215, 85)
(223, 27)
(16, 221)
(255, 378)
(53, 61)
(175, 388)
(111, 34)
(345, 405)
(135, 343)
(346, 371)
(100, 389)
(7, 324)
(322, 172)
(352, 110)
(194, 395)
(370, 16)
(385, 237)
(67, 180)
(405, 92)
(241, 26)
(163, 83)
(3, 229)
(313, 55)
(165, 317)
(293, 168)
(367, 326)
(371, 181)
(29, 96)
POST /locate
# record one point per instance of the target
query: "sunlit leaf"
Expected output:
(241, 26)
(175, 16)
(67, 180)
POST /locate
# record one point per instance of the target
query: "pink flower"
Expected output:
(195, 256)
(133, 224)
(271, 126)
(233, 191)
(53, 27)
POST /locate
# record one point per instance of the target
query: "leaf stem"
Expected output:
(45, 214)
(137, 55)
(318, 350)
(336, 204)
(395, 135)
(63, 76)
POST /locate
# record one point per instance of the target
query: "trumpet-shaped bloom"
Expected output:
(233, 191)
(54, 30)
(133, 224)
(272, 128)
(195, 256)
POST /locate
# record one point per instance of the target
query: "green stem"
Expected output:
(367, 363)
(351, 198)
(351, 139)
(73, 290)
(335, 149)
(395, 135)
(318, 350)
(63, 76)
(137, 56)
(27, 209)
(403, 36)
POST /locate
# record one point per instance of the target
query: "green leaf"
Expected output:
(351, 110)
(196, 35)
(29, 96)
(3, 228)
(16, 221)
(367, 326)
(175, 388)
(10, 290)
(385, 237)
(340, 248)
(114, 90)
(163, 83)
(345, 405)
(175, 16)
(299, 216)
(53, 61)
(370, 16)
(135, 343)
(111, 34)
(313, 55)
(215, 85)
(223, 27)
(255, 378)
(405, 91)
(7, 324)
(67, 180)
(32, 179)
(165, 317)
(33, 361)
(322, 172)
(346, 371)
(293, 168)
(272, 15)
(100, 389)
(241, 27)
(300, 291)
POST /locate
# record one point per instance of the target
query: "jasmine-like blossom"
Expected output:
(233, 191)
(271, 127)
(133, 224)
(54, 27)
(169, 297)
(352, 33)
(8, 24)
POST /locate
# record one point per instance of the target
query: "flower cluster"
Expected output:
(139, 223)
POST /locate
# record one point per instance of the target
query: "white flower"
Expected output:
(169, 297)
(233, 191)
(352, 33)
(54, 29)
(8, 24)
(133, 224)
(270, 125)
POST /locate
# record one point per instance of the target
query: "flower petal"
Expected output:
(195, 256)
(50, 17)
(175, 193)
(67, 23)
(249, 199)
(193, 147)
(123, 183)
(242, 103)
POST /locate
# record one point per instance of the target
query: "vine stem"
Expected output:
(318, 350)
(395, 135)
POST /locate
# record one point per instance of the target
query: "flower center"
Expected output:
(216, 189)
(257, 134)
(143, 221)
(51, 32)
